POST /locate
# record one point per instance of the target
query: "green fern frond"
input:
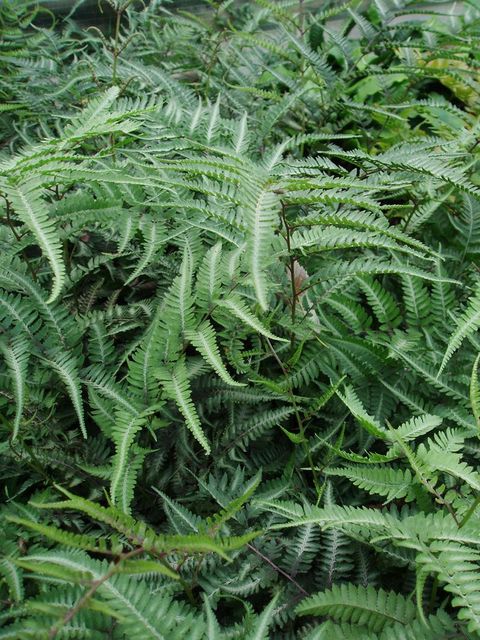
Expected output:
(16, 356)
(18, 313)
(393, 484)
(142, 615)
(457, 567)
(73, 540)
(351, 400)
(467, 324)
(56, 316)
(261, 625)
(209, 277)
(239, 309)
(153, 234)
(416, 299)
(124, 431)
(204, 340)
(66, 367)
(418, 426)
(177, 387)
(102, 383)
(475, 392)
(13, 576)
(212, 626)
(28, 205)
(141, 535)
(364, 606)
(181, 518)
(261, 218)
(231, 509)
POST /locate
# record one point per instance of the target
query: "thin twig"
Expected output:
(277, 568)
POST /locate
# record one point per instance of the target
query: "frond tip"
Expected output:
(16, 356)
(27, 202)
(467, 324)
(204, 340)
(177, 387)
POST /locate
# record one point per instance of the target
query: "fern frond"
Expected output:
(417, 426)
(177, 387)
(142, 615)
(475, 392)
(261, 219)
(73, 540)
(16, 356)
(204, 340)
(239, 309)
(261, 625)
(18, 313)
(457, 567)
(393, 484)
(233, 507)
(364, 606)
(66, 366)
(13, 576)
(27, 202)
(209, 277)
(212, 627)
(102, 383)
(466, 325)
(125, 429)
(153, 234)
(416, 299)
(351, 400)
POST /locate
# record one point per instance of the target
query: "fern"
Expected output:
(204, 340)
(177, 387)
(28, 205)
(16, 356)
(390, 483)
(67, 369)
(248, 233)
(124, 431)
(260, 630)
(261, 219)
(475, 392)
(237, 307)
(361, 606)
(467, 324)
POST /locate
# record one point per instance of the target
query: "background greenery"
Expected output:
(239, 313)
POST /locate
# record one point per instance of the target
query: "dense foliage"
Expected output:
(239, 314)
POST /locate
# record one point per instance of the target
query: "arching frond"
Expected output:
(466, 325)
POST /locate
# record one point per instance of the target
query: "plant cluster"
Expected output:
(239, 314)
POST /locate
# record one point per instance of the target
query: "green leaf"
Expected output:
(29, 206)
(296, 438)
(204, 340)
(466, 325)
(16, 356)
(261, 217)
(360, 605)
(261, 625)
(146, 567)
(66, 367)
(475, 392)
(177, 387)
(235, 305)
